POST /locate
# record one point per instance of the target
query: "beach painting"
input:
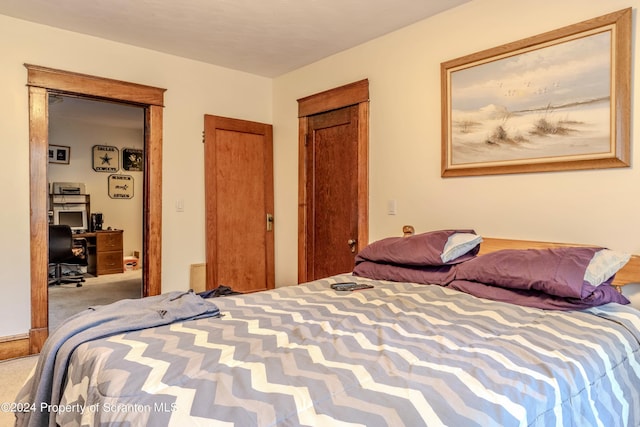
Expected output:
(551, 102)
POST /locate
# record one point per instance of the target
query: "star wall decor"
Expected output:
(106, 158)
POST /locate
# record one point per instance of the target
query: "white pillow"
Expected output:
(459, 244)
(604, 264)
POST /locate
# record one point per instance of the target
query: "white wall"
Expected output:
(193, 89)
(80, 136)
(403, 68)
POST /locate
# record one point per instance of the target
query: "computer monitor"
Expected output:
(76, 218)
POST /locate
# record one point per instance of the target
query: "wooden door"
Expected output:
(332, 191)
(333, 197)
(333, 180)
(239, 204)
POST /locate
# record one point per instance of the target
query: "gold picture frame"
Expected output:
(556, 101)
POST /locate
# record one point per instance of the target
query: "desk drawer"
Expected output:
(109, 241)
(109, 262)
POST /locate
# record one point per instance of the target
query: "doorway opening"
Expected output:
(99, 195)
(43, 82)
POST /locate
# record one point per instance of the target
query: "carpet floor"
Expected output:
(67, 300)
(13, 373)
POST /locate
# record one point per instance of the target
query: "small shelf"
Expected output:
(69, 201)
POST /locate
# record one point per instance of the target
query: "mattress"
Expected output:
(396, 354)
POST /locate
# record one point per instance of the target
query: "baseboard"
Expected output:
(14, 346)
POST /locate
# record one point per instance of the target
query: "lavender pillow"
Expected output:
(428, 274)
(558, 271)
(424, 249)
(601, 295)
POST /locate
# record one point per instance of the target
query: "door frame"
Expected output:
(41, 82)
(356, 93)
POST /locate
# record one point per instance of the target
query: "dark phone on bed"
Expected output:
(350, 286)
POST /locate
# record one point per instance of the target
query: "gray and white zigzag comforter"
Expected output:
(398, 354)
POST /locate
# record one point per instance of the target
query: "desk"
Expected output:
(105, 251)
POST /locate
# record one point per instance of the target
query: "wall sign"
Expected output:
(132, 159)
(106, 158)
(121, 186)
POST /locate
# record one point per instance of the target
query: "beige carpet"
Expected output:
(13, 373)
(67, 300)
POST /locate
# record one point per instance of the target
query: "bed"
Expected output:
(400, 353)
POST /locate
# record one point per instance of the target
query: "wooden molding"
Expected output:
(86, 85)
(14, 346)
(343, 96)
(41, 81)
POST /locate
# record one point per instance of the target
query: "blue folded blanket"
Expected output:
(44, 388)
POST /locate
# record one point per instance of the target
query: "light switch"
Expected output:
(391, 207)
(180, 205)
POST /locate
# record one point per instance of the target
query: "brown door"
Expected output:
(333, 185)
(239, 204)
(332, 192)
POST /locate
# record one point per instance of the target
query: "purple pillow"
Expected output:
(420, 250)
(430, 274)
(543, 278)
(556, 271)
(603, 294)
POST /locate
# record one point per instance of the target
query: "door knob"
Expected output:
(352, 243)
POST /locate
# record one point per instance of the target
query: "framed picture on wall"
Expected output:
(556, 101)
(132, 159)
(106, 158)
(59, 154)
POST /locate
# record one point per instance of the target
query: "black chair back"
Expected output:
(60, 243)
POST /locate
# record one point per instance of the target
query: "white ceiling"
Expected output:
(262, 37)
(94, 112)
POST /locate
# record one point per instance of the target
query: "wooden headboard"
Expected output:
(630, 273)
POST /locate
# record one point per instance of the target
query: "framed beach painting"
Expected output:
(557, 101)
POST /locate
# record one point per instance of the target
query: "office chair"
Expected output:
(65, 250)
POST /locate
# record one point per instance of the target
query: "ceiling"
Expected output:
(263, 37)
(93, 112)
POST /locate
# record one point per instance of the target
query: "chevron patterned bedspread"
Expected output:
(398, 354)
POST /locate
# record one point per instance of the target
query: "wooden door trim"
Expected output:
(87, 85)
(41, 81)
(356, 93)
(332, 99)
